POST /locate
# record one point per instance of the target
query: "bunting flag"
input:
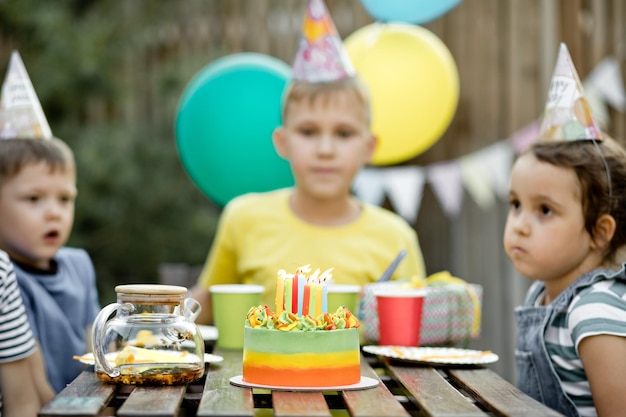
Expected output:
(405, 185)
(483, 174)
(606, 79)
(447, 183)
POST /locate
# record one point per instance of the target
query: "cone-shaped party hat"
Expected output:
(21, 115)
(567, 115)
(321, 56)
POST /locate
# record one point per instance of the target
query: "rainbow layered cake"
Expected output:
(300, 344)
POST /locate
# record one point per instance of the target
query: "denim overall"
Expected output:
(536, 375)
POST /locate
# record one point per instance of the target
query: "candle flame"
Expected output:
(303, 269)
(326, 275)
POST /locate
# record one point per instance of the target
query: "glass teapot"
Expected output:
(151, 339)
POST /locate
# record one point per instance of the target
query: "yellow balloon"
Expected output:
(414, 86)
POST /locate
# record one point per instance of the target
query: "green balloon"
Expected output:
(224, 126)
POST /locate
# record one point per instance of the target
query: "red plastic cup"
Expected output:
(400, 316)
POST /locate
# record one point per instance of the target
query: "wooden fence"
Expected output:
(505, 51)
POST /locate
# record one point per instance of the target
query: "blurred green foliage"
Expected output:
(136, 206)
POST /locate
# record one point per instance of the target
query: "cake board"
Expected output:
(364, 383)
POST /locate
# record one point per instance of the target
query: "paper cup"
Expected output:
(231, 303)
(344, 295)
(400, 316)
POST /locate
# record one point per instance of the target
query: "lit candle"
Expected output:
(280, 291)
(294, 296)
(301, 284)
(288, 293)
(318, 300)
(324, 278)
(306, 299)
(312, 303)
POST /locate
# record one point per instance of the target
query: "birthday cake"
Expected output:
(301, 344)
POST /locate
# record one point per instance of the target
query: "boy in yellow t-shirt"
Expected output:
(326, 138)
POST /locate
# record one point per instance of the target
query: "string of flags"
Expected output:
(483, 174)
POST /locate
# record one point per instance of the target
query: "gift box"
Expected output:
(451, 313)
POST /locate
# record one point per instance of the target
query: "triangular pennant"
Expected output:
(369, 186)
(524, 137)
(606, 78)
(446, 182)
(497, 159)
(21, 115)
(476, 180)
(405, 187)
(321, 56)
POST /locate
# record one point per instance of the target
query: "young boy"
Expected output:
(326, 138)
(37, 193)
(23, 383)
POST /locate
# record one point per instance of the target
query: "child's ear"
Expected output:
(278, 138)
(371, 147)
(603, 231)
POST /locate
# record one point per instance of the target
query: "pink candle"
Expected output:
(294, 295)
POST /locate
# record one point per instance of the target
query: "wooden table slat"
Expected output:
(434, 395)
(498, 395)
(374, 402)
(295, 404)
(86, 396)
(153, 401)
(220, 398)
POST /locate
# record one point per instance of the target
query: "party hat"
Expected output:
(567, 115)
(21, 115)
(321, 56)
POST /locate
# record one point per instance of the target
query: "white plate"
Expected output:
(433, 355)
(87, 358)
(208, 332)
(364, 383)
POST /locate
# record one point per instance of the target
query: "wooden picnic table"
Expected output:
(404, 390)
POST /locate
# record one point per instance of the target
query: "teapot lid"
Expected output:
(150, 289)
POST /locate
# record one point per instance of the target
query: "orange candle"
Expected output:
(306, 299)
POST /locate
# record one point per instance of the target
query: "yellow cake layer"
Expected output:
(301, 360)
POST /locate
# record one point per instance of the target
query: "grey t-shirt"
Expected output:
(61, 305)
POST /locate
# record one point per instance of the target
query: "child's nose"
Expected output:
(326, 144)
(54, 210)
(521, 224)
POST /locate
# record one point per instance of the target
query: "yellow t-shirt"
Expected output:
(258, 235)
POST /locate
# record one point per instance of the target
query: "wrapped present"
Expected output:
(451, 310)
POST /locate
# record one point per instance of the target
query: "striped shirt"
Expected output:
(597, 309)
(16, 338)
